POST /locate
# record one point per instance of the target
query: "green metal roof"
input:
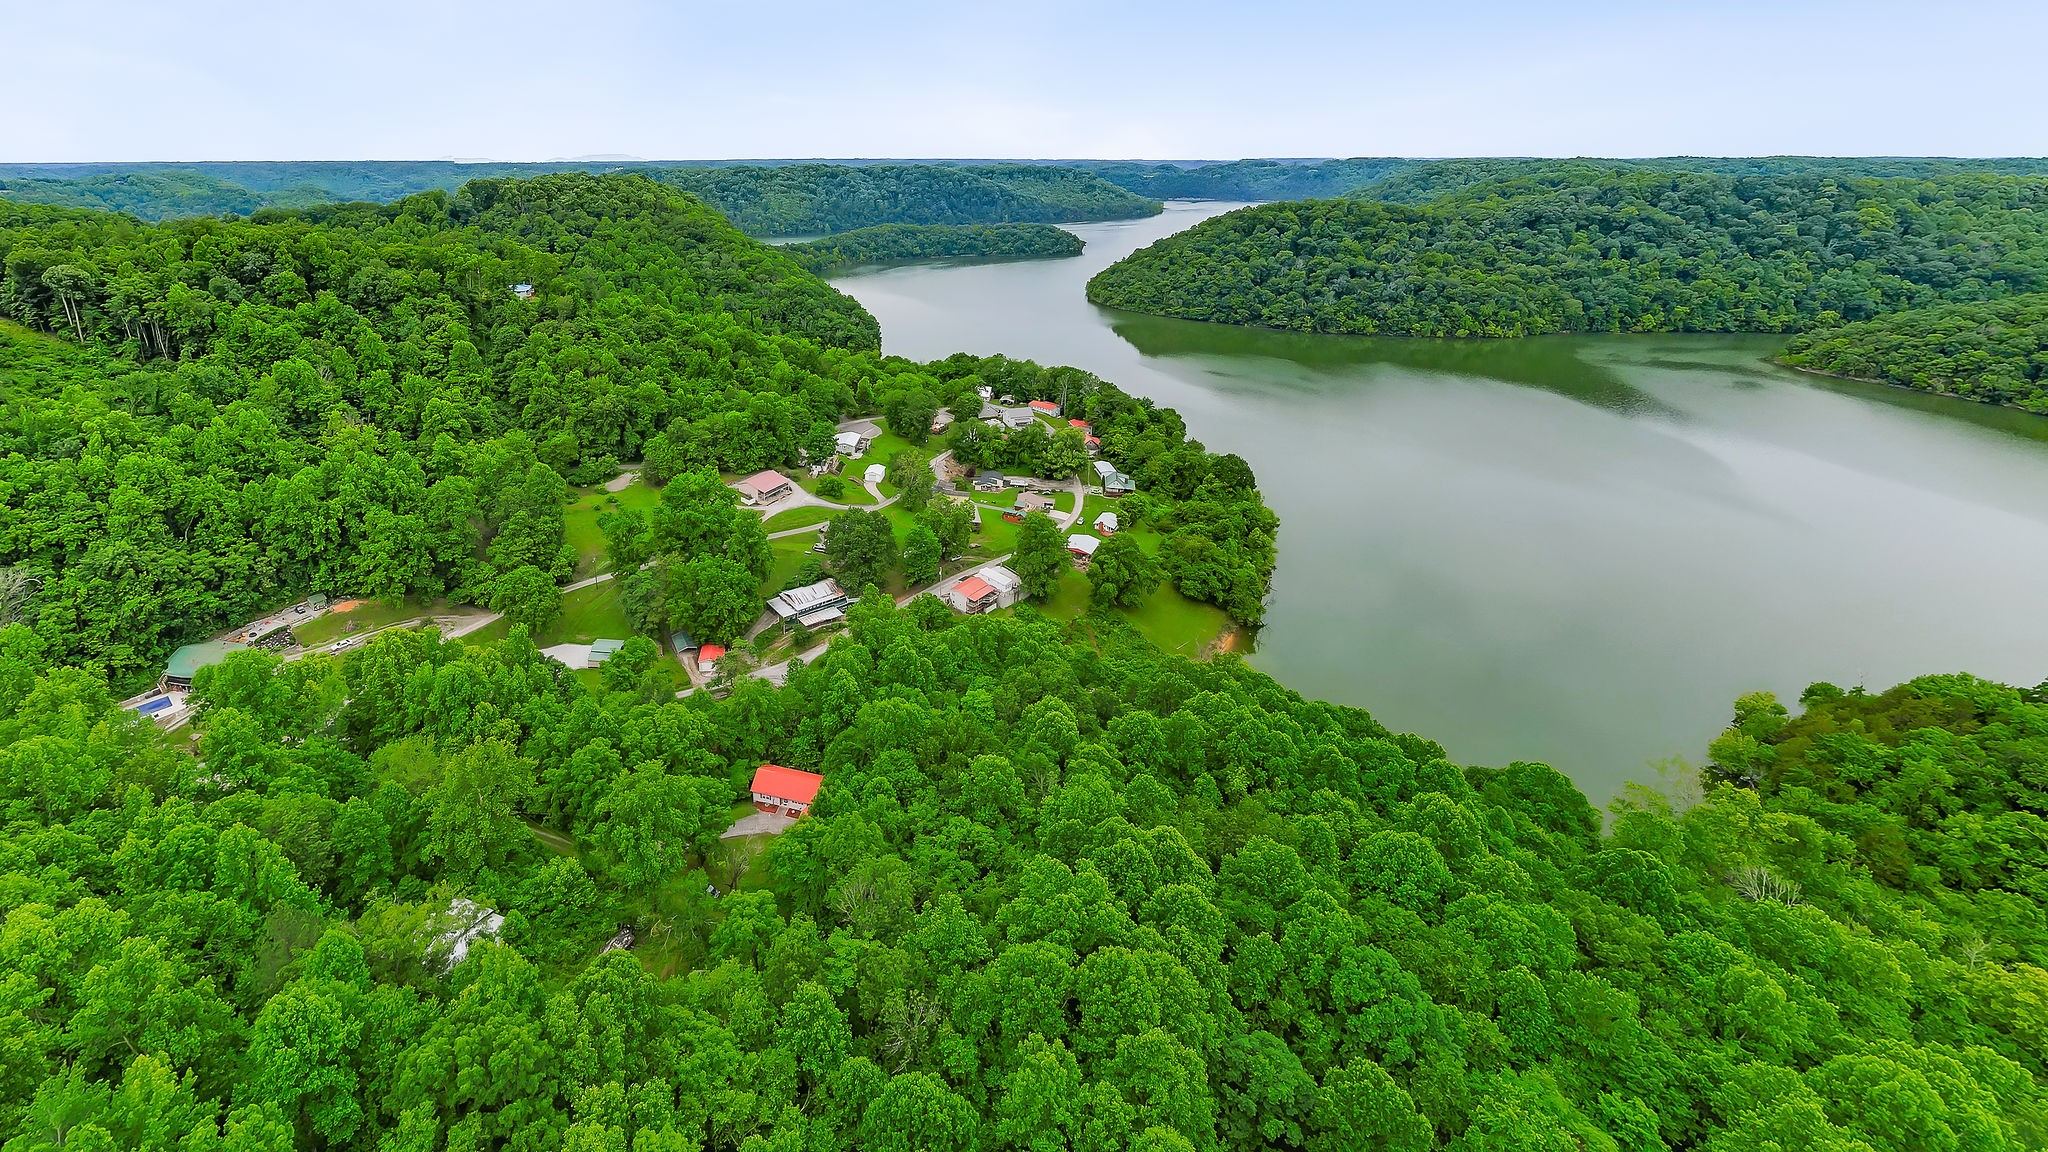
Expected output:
(192, 657)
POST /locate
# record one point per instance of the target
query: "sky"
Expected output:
(115, 80)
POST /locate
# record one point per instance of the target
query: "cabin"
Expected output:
(764, 487)
(186, 662)
(876, 473)
(1117, 484)
(1107, 524)
(988, 482)
(781, 791)
(813, 604)
(1025, 504)
(602, 650)
(708, 657)
(1083, 546)
(1046, 408)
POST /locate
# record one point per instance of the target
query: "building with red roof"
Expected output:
(976, 594)
(765, 487)
(785, 791)
(1046, 406)
(708, 657)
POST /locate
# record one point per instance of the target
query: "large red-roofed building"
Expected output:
(785, 791)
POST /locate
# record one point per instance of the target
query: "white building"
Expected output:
(877, 473)
(813, 604)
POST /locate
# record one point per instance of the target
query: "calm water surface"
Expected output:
(1573, 549)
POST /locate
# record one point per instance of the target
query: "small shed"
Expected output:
(784, 791)
(876, 473)
(603, 650)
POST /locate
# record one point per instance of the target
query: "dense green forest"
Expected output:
(1574, 247)
(906, 243)
(1995, 351)
(804, 199)
(154, 195)
(763, 200)
(1249, 179)
(1056, 893)
(207, 418)
(1415, 182)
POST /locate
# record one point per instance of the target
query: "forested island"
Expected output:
(1056, 888)
(907, 243)
(1995, 352)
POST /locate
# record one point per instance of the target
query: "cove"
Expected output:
(1577, 550)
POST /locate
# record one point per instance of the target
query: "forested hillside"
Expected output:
(803, 199)
(1418, 181)
(1249, 179)
(1050, 897)
(1578, 248)
(905, 243)
(153, 195)
(207, 418)
(1995, 352)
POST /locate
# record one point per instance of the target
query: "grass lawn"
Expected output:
(798, 518)
(1176, 624)
(489, 634)
(369, 615)
(854, 494)
(790, 553)
(579, 521)
(587, 614)
(1070, 599)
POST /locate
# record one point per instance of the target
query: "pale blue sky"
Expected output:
(515, 80)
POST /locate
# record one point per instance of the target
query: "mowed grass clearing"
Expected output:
(591, 613)
(579, 521)
(365, 617)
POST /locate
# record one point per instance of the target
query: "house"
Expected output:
(876, 473)
(849, 444)
(1008, 585)
(187, 661)
(1046, 407)
(986, 392)
(708, 657)
(1117, 484)
(942, 420)
(1082, 545)
(1019, 482)
(974, 595)
(1015, 418)
(1088, 437)
(990, 414)
(603, 650)
(988, 482)
(1025, 504)
(783, 791)
(1103, 468)
(813, 604)
(523, 291)
(1107, 524)
(763, 487)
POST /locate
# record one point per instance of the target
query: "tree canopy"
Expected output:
(1579, 247)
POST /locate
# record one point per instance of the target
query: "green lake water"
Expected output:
(1577, 550)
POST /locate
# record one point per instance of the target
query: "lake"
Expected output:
(1577, 550)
